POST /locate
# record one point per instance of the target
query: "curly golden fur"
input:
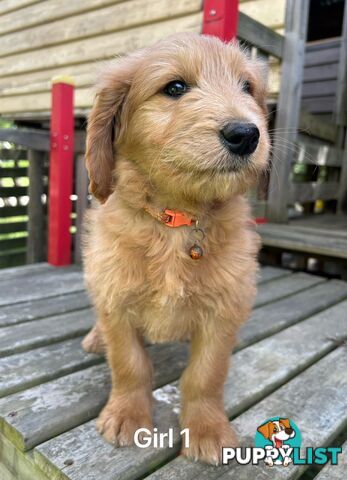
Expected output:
(146, 149)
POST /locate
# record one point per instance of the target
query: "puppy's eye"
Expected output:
(175, 89)
(246, 87)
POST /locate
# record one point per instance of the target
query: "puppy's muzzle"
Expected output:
(240, 138)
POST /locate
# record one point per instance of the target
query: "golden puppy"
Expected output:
(176, 136)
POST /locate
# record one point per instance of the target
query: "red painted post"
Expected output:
(220, 18)
(61, 172)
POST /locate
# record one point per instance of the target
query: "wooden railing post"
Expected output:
(341, 114)
(220, 18)
(61, 172)
(288, 108)
(81, 183)
(35, 243)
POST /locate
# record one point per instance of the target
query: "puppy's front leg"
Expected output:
(130, 403)
(202, 386)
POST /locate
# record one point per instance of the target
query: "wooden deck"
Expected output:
(290, 360)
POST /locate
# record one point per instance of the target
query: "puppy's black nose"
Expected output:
(241, 138)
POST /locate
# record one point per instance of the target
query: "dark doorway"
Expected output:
(325, 19)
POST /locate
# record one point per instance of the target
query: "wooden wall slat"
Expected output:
(116, 17)
(42, 101)
(322, 72)
(322, 57)
(35, 79)
(47, 11)
(313, 89)
(12, 5)
(107, 46)
(267, 12)
(319, 104)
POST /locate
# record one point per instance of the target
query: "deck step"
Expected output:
(310, 241)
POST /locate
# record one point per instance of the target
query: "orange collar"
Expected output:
(171, 218)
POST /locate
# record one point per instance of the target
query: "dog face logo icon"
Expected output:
(278, 436)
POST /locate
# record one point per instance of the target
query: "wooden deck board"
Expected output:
(51, 408)
(271, 273)
(58, 389)
(282, 313)
(44, 285)
(18, 338)
(298, 400)
(25, 370)
(42, 308)
(257, 371)
(285, 286)
(26, 271)
(335, 472)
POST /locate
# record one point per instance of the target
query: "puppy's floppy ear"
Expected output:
(285, 422)
(104, 119)
(265, 430)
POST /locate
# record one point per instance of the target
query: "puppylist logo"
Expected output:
(277, 443)
(278, 437)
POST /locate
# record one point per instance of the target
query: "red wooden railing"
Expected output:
(220, 18)
(61, 172)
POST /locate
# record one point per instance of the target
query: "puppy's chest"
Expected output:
(166, 274)
(170, 272)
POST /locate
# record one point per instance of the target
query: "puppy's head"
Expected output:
(189, 113)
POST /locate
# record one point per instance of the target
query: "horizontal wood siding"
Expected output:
(42, 39)
(45, 39)
(320, 76)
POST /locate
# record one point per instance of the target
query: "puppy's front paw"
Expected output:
(207, 440)
(119, 421)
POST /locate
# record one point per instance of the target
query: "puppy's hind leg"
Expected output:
(93, 341)
(129, 406)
